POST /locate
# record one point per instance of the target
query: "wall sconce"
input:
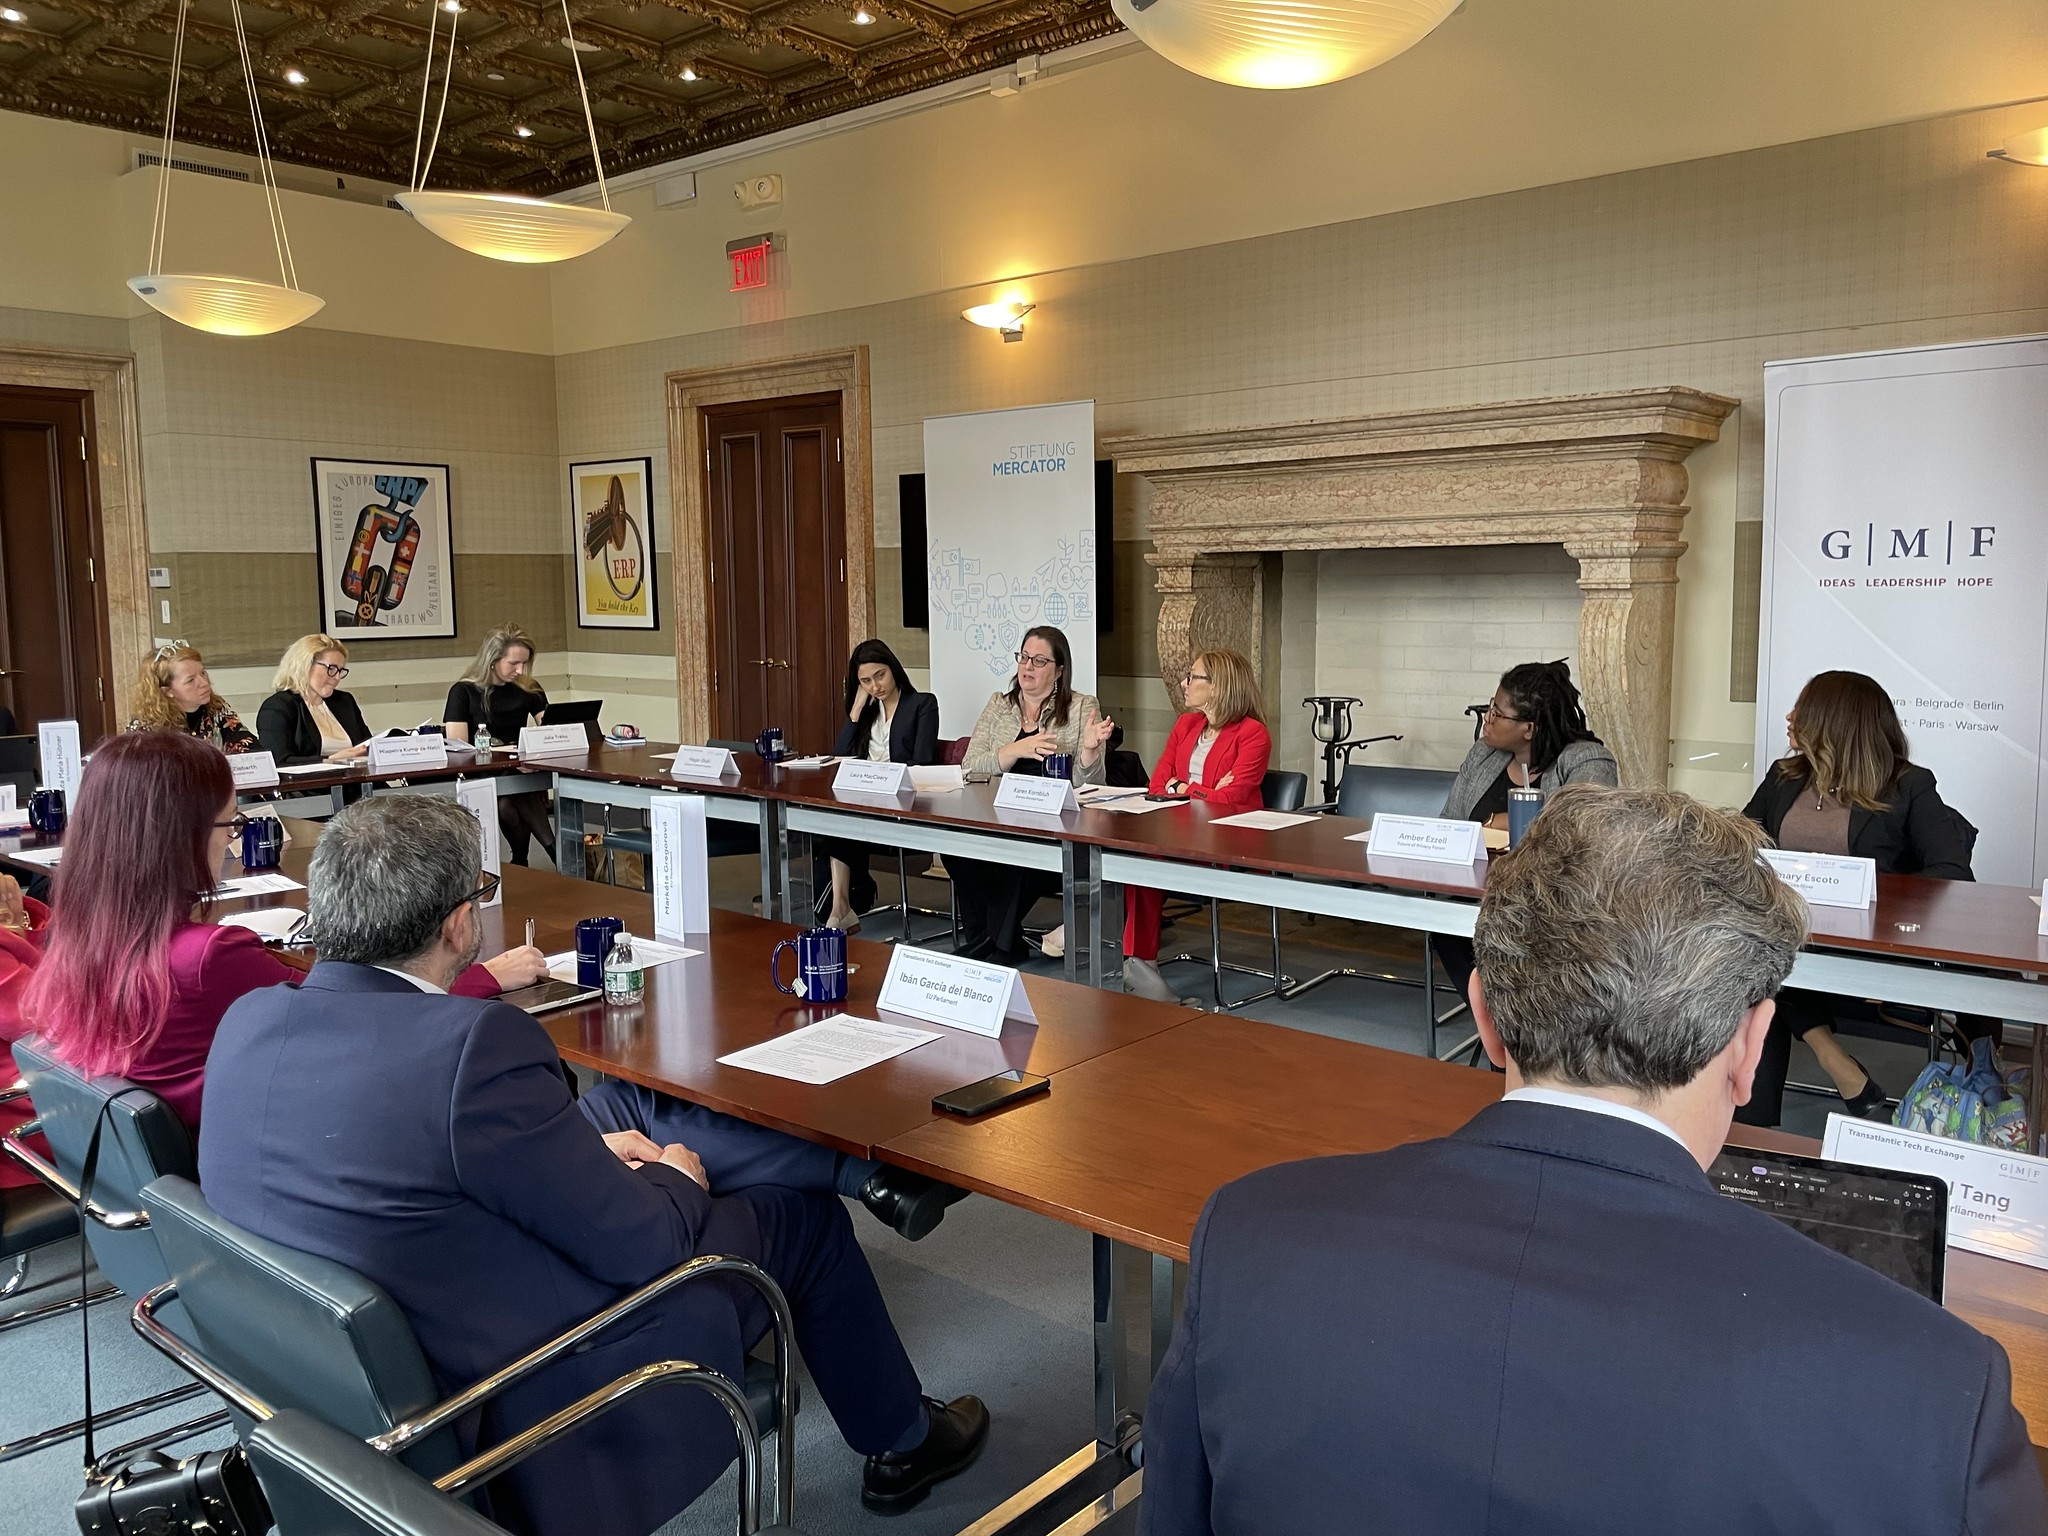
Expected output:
(2029, 148)
(1007, 318)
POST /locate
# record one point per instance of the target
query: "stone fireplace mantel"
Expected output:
(1602, 475)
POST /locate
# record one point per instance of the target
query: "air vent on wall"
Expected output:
(142, 159)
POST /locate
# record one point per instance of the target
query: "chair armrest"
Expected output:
(144, 1317)
(1320, 808)
(45, 1170)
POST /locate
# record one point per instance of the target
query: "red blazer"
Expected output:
(1240, 750)
(19, 953)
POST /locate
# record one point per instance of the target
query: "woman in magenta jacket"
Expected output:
(134, 977)
(1217, 754)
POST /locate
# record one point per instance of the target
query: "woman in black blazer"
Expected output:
(1847, 788)
(887, 721)
(309, 719)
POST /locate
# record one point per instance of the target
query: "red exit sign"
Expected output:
(749, 259)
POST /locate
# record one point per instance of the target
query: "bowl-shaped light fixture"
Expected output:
(226, 306)
(509, 228)
(2029, 148)
(1279, 45)
(1006, 317)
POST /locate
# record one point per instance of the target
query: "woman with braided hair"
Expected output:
(1533, 734)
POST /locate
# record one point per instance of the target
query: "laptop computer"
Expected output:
(1896, 1223)
(581, 712)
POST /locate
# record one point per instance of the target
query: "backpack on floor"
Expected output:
(1966, 1101)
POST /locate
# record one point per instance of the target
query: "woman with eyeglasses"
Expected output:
(135, 976)
(1217, 754)
(174, 693)
(498, 694)
(310, 719)
(1533, 735)
(1038, 716)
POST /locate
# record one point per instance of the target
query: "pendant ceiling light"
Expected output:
(226, 306)
(502, 225)
(1279, 45)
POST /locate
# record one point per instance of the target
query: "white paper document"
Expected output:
(47, 857)
(1261, 821)
(830, 1049)
(1137, 806)
(271, 922)
(301, 770)
(809, 762)
(649, 952)
(267, 884)
(1997, 1200)
(1095, 794)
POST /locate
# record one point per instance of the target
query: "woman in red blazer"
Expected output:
(1217, 753)
(134, 979)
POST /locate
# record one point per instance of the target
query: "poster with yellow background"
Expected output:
(614, 544)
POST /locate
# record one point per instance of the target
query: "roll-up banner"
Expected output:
(1010, 533)
(1906, 536)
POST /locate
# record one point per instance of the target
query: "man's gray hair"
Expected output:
(1620, 945)
(386, 872)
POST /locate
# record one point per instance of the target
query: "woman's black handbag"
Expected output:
(212, 1494)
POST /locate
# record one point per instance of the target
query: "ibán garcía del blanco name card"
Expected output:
(945, 989)
(1825, 879)
(1433, 839)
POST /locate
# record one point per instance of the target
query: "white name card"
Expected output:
(479, 797)
(946, 989)
(861, 777)
(2044, 907)
(1432, 839)
(6, 797)
(63, 759)
(704, 763)
(253, 770)
(12, 816)
(1029, 792)
(680, 880)
(392, 752)
(1997, 1201)
(1825, 879)
(553, 741)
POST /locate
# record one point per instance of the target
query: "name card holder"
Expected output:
(704, 763)
(553, 741)
(62, 758)
(1431, 839)
(1826, 879)
(1028, 792)
(861, 777)
(389, 754)
(253, 770)
(1997, 1200)
(679, 876)
(2044, 908)
(479, 797)
(946, 989)
(12, 816)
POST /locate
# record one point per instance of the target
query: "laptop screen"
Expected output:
(1897, 1223)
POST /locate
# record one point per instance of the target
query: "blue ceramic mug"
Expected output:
(1060, 765)
(769, 744)
(593, 942)
(820, 965)
(46, 811)
(262, 842)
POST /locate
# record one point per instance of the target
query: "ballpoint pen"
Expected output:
(529, 933)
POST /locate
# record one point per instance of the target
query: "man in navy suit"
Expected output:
(430, 1142)
(1550, 1323)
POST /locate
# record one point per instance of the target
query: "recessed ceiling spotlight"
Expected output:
(492, 74)
(688, 73)
(579, 46)
(295, 76)
(9, 13)
(453, 7)
(861, 18)
(523, 131)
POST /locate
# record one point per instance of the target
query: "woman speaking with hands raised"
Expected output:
(1038, 716)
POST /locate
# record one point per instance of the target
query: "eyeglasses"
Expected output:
(1035, 663)
(1504, 717)
(482, 893)
(333, 669)
(236, 824)
(1194, 677)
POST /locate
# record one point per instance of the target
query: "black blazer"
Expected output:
(913, 731)
(1919, 833)
(1551, 1324)
(285, 726)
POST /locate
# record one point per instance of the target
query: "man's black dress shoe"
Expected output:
(909, 1202)
(893, 1482)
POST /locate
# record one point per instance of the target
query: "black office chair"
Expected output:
(1278, 791)
(722, 839)
(1363, 793)
(34, 1216)
(140, 1139)
(20, 760)
(271, 1328)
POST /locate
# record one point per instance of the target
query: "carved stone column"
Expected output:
(1625, 640)
(1206, 602)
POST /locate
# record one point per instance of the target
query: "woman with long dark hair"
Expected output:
(1847, 787)
(1039, 715)
(887, 721)
(134, 977)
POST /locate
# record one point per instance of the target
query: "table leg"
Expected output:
(795, 874)
(568, 831)
(1135, 1304)
(771, 854)
(1081, 910)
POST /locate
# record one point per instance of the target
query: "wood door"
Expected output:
(53, 622)
(777, 501)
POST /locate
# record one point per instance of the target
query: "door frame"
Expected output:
(844, 373)
(114, 484)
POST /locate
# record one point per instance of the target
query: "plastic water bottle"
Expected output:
(625, 979)
(483, 741)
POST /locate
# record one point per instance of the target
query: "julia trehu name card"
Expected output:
(1029, 792)
(253, 770)
(704, 763)
(946, 989)
(553, 741)
(1431, 838)
(393, 752)
(860, 777)
(1997, 1200)
(1825, 879)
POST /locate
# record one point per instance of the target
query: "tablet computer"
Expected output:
(581, 712)
(1897, 1223)
(546, 996)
